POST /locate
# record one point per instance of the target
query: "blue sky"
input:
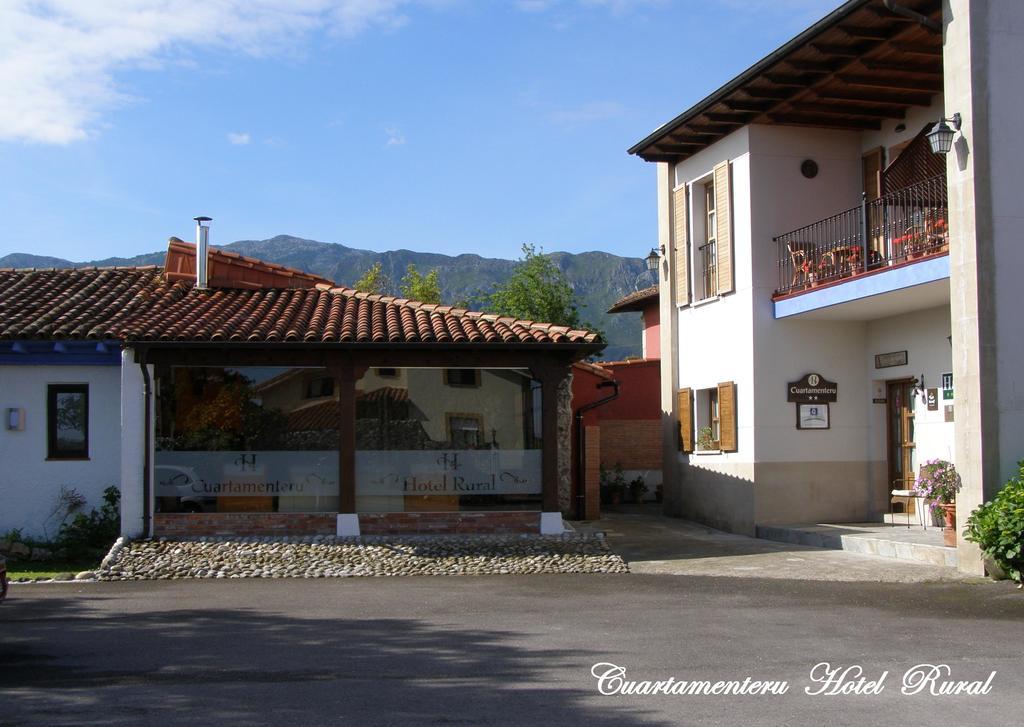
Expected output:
(435, 125)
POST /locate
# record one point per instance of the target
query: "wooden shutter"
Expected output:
(727, 416)
(684, 410)
(723, 228)
(681, 247)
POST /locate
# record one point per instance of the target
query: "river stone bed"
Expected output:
(329, 557)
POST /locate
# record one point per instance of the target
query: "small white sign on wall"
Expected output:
(812, 416)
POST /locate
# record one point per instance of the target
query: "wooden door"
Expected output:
(871, 169)
(900, 434)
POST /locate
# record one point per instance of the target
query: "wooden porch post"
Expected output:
(346, 375)
(551, 375)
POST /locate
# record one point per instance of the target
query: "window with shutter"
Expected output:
(680, 246)
(684, 410)
(727, 434)
(723, 228)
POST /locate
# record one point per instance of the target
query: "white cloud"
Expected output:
(59, 58)
(240, 138)
(395, 137)
(587, 113)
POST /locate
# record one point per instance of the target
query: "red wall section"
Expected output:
(639, 391)
(652, 331)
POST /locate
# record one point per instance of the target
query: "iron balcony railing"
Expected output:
(895, 228)
(708, 255)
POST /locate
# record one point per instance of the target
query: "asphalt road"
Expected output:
(497, 650)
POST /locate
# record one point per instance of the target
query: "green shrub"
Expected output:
(92, 534)
(998, 527)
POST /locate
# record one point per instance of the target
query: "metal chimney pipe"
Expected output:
(202, 251)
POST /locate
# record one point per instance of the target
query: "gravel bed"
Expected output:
(330, 557)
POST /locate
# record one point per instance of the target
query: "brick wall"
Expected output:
(243, 524)
(592, 473)
(440, 523)
(633, 444)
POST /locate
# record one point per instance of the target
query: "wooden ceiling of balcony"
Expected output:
(861, 65)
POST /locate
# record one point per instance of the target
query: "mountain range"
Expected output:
(597, 278)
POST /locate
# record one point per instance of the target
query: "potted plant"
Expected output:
(706, 439)
(613, 485)
(637, 489)
(998, 529)
(937, 483)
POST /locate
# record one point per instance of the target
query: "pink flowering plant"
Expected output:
(937, 483)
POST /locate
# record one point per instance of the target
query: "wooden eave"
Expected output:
(857, 66)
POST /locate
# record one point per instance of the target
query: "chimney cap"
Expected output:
(201, 218)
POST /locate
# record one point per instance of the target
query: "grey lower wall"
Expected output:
(729, 498)
(722, 497)
(803, 492)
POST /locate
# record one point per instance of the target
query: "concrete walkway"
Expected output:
(653, 543)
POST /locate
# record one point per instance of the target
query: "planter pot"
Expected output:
(949, 523)
(993, 570)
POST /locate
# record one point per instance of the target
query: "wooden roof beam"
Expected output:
(866, 33)
(811, 66)
(831, 122)
(919, 49)
(892, 98)
(668, 158)
(690, 138)
(678, 149)
(870, 112)
(736, 118)
(781, 79)
(756, 107)
(928, 69)
(840, 51)
(776, 94)
(871, 81)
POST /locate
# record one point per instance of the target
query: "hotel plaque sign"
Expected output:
(812, 389)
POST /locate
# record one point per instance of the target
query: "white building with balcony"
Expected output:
(837, 300)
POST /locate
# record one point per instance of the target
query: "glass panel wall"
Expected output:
(264, 439)
(247, 439)
(448, 439)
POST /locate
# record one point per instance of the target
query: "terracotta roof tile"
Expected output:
(635, 301)
(141, 304)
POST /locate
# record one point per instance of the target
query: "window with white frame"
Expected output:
(706, 267)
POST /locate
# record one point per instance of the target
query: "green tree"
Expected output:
(537, 290)
(374, 281)
(416, 286)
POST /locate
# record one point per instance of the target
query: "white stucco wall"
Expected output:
(29, 484)
(923, 335)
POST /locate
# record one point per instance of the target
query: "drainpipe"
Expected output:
(147, 389)
(924, 20)
(581, 445)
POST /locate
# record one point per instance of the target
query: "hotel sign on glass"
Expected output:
(812, 389)
(458, 472)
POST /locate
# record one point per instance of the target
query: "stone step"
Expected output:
(891, 543)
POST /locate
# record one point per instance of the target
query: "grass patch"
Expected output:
(36, 570)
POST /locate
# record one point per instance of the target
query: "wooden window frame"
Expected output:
(459, 385)
(52, 451)
(308, 383)
(449, 415)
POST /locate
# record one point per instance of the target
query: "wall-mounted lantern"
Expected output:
(941, 136)
(652, 259)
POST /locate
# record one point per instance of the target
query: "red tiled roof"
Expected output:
(88, 303)
(325, 415)
(637, 300)
(140, 304)
(230, 270)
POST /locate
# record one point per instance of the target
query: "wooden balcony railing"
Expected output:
(898, 227)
